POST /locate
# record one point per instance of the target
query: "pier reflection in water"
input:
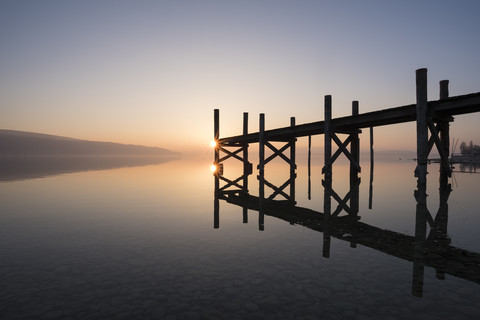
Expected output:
(429, 247)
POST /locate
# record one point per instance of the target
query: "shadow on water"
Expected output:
(429, 247)
(24, 168)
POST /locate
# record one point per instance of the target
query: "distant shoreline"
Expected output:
(29, 144)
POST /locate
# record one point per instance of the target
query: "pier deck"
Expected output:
(448, 107)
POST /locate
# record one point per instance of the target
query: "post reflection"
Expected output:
(429, 247)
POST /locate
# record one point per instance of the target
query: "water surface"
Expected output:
(140, 243)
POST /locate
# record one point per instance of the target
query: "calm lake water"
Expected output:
(139, 243)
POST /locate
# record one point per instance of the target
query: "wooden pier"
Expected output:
(432, 119)
(430, 116)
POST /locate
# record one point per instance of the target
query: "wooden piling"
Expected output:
(421, 174)
(422, 126)
(328, 139)
(327, 184)
(444, 89)
(293, 164)
(354, 180)
(444, 128)
(309, 167)
(370, 189)
(354, 144)
(216, 134)
(246, 167)
(261, 170)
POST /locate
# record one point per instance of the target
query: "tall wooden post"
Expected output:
(444, 127)
(354, 180)
(444, 89)
(327, 184)
(355, 152)
(328, 139)
(293, 164)
(370, 191)
(261, 170)
(421, 174)
(216, 133)
(422, 127)
(246, 167)
(309, 167)
(441, 219)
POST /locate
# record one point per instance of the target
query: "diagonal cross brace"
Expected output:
(342, 203)
(339, 150)
(231, 182)
(441, 151)
(345, 151)
(230, 154)
(278, 190)
(342, 147)
(277, 152)
(428, 214)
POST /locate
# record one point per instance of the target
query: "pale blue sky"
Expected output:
(151, 72)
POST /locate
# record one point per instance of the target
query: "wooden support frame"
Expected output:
(353, 155)
(218, 161)
(351, 210)
(277, 152)
(436, 124)
(432, 119)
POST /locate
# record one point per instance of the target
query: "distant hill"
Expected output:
(28, 144)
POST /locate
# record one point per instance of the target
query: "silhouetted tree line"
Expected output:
(470, 148)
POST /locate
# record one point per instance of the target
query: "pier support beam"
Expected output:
(370, 189)
(293, 164)
(440, 136)
(261, 170)
(327, 170)
(354, 179)
(422, 127)
(444, 128)
(216, 133)
(247, 166)
(309, 167)
(264, 143)
(239, 152)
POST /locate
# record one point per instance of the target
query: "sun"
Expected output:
(213, 168)
(213, 143)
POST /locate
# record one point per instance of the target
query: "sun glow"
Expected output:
(213, 143)
(213, 168)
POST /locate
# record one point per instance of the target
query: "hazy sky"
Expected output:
(151, 72)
